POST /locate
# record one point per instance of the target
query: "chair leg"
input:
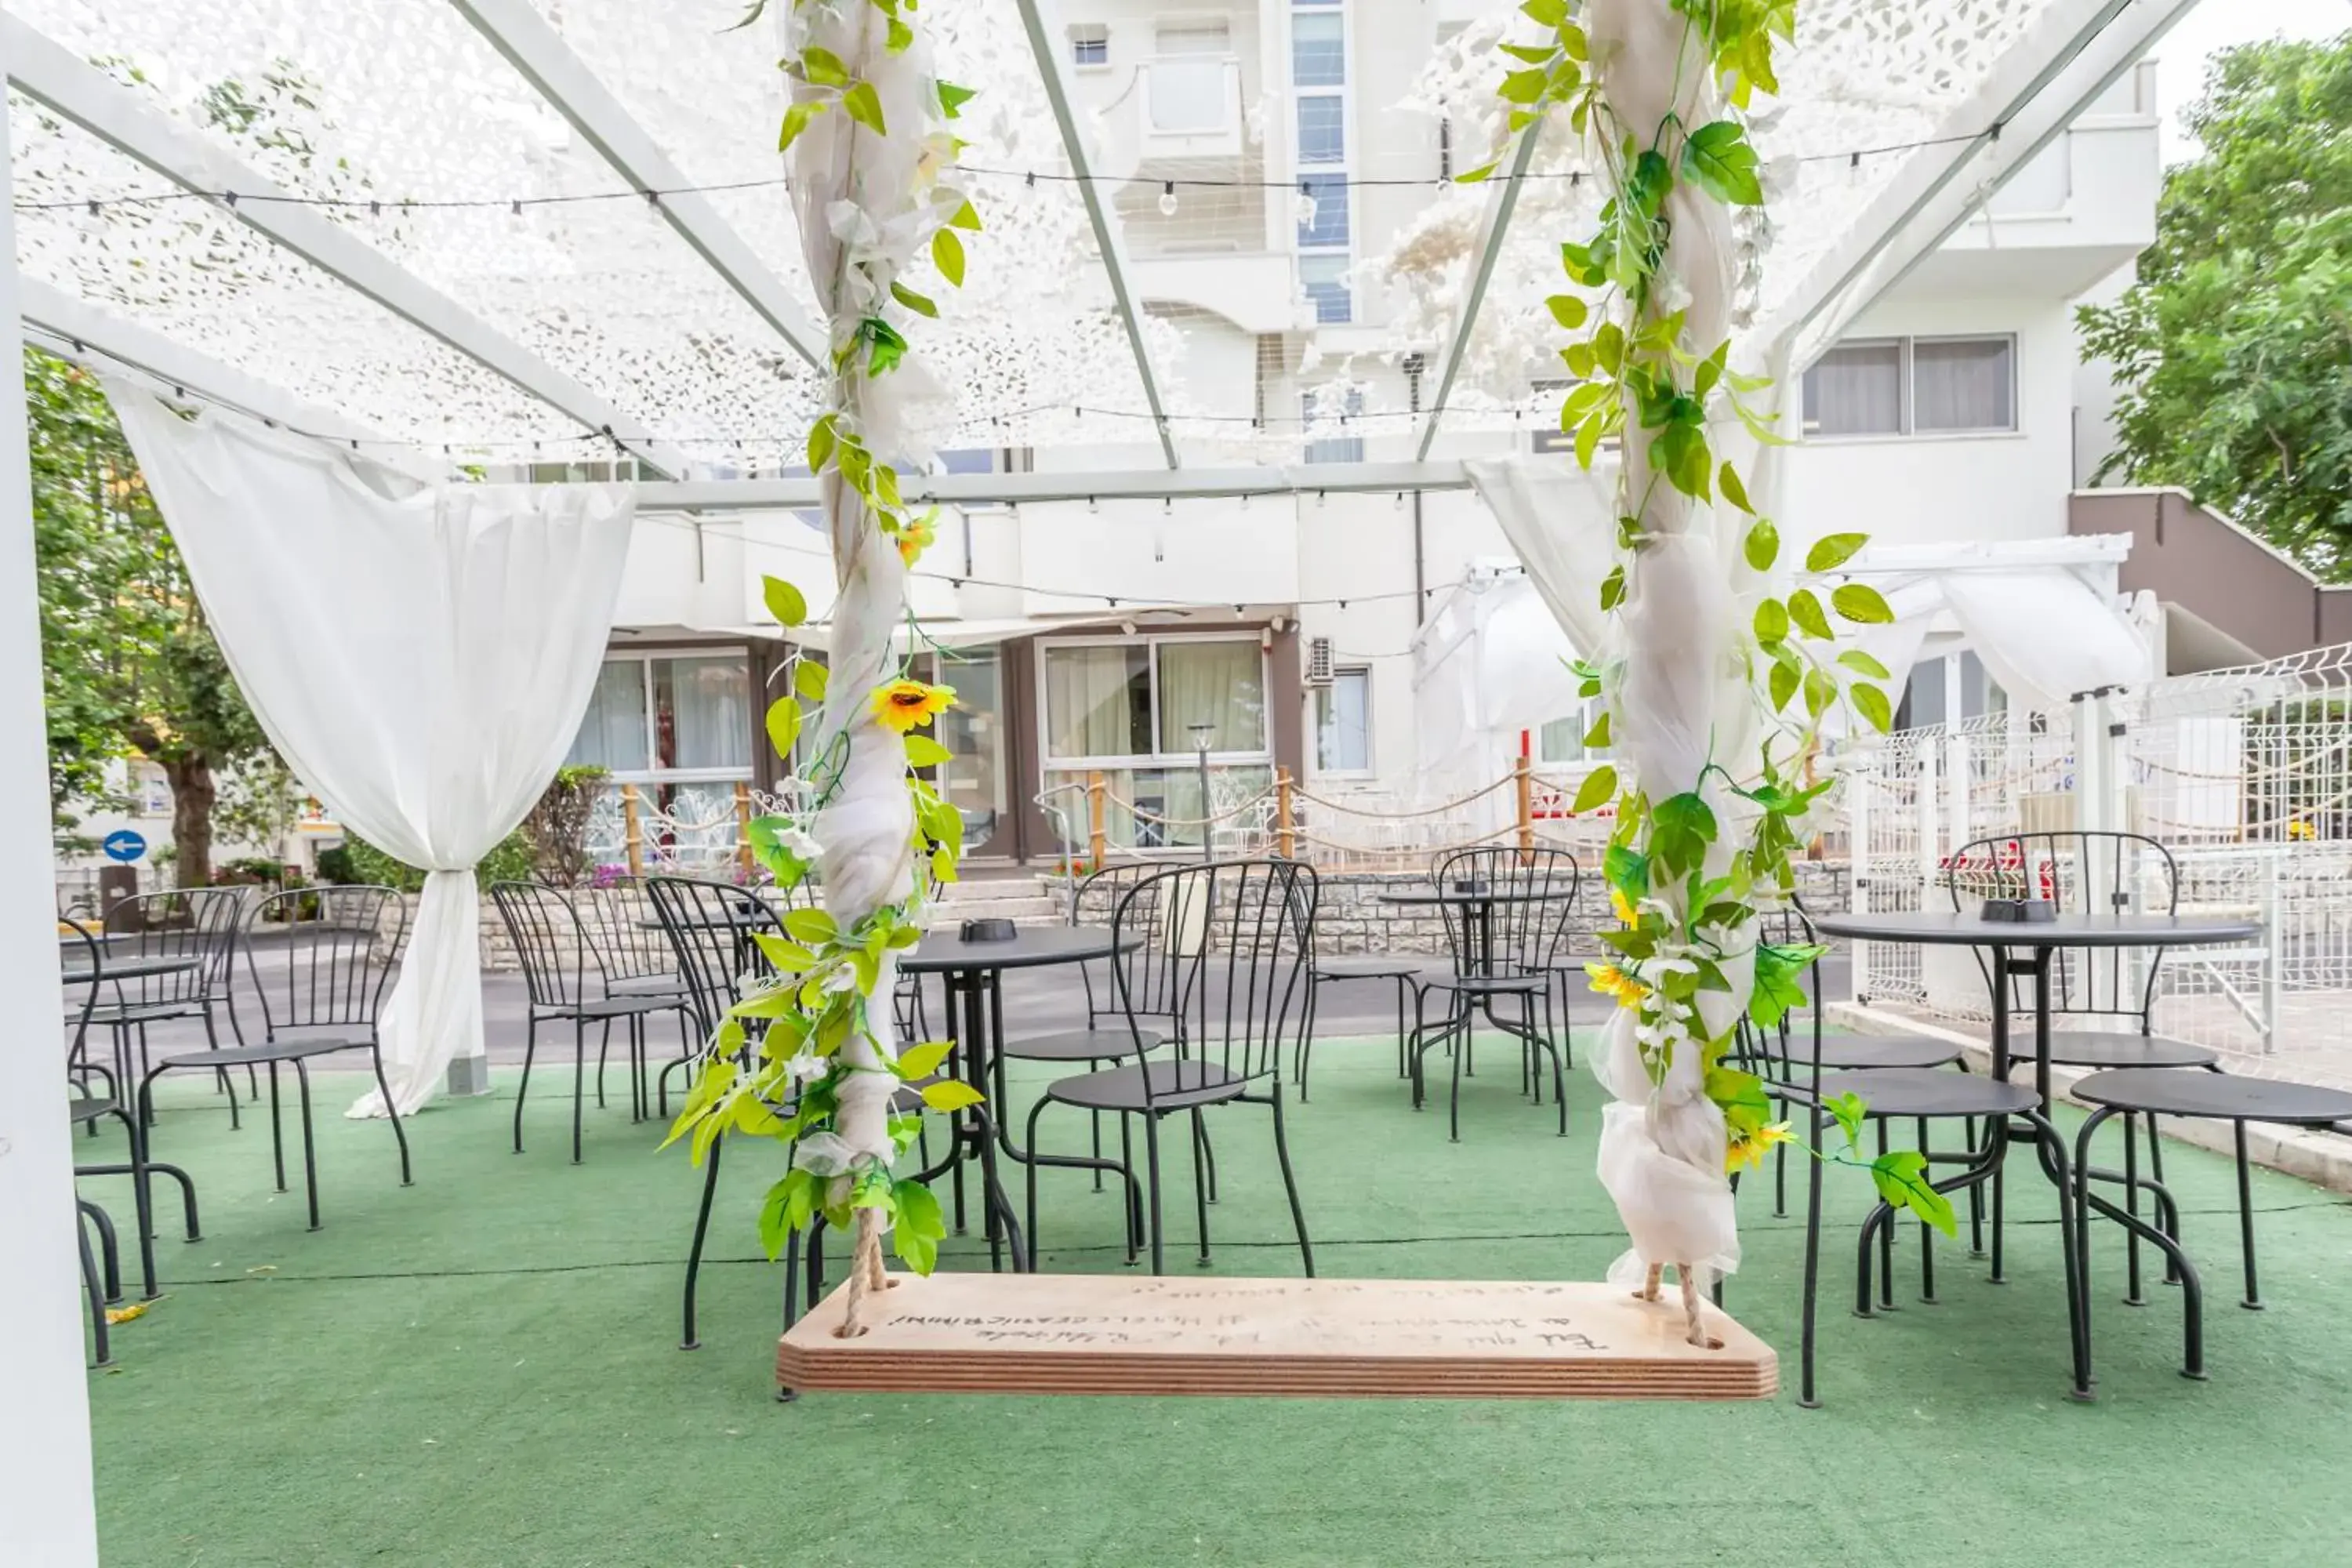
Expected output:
(1886, 1242)
(1453, 1101)
(99, 1345)
(1291, 1188)
(1807, 1395)
(221, 1080)
(1200, 1185)
(309, 1152)
(522, 1088)
(109, 1248)
(1926, 1238)
(687, 1340)
(604, 1051)
(2132, 1296)
(277, 1130)
(1152, 1165)
(579, 1080)
(391, 1110)
(2254, 1301)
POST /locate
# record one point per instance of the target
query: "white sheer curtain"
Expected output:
(706, 704)
(1091, 701)
(1857, 389)
(1961, 384)
(420, 655)
(1220, 684)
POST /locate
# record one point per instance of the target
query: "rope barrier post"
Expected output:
(1285, 823)
(1523, 782)
(743, 827)
(632, 830)
(1095, 819)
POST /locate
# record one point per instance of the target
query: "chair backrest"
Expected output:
(327, 938)
(1094, 903)
(552, 943)
(709, 926)
(199, 923)
(2082, 872)
(1226, 947)
(79, 950)
(1526, 925)
(624, 946)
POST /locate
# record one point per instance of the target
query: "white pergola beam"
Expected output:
(74, 329)
(2070, 54)
(1126, 484)
(1046, 43)
(122, 118)
(518, 31)
(1500, 205)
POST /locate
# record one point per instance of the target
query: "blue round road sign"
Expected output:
(124, 845)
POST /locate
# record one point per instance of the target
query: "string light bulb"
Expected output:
(1304, 207)
(1168, 198)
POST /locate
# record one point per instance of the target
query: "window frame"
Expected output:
(1906, 390)
(1319, 449)
(644, 659)
(1322, 694)
(1146, 761)
(1079, 42)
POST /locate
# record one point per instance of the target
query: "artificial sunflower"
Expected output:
(905, 705)
(1622, 907)
(1611, 981)
(1747, 1153)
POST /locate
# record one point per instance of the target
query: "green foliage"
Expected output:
(359, 861)
(128, 664)
(2234, 347)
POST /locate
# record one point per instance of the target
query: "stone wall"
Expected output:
(1352, 918)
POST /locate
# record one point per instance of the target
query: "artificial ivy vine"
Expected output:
(1686, 910)
(806, 1055)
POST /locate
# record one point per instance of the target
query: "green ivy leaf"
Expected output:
(784, 600)
(954, 97)
(1847, 1110)
(947, 254)
(1681, 827)
(1820, 693)
(1522, 87)
(1543, 13)
(791, 1204)
(1745, 1103)
(810, 679)
(1625, 868)
(814, 927)
(824, 68)
(1901, 1178)
(1728, 481)
(1718, 156)
(1861, 663)
(1568, 310)
(1862, 603)
(1782, 686)
(1806, 611)
(784, 724)
(1872, 702)
(864, 105)
(951, 1094)
(1771, 621)
(915, 1233)
(1763, 545)
(918, 303)
(1833, 551)
(923, 1060)
(922, 751)
(1612, 588)
(898, 37)
(1473, 176)
(1597, 738)
(796, 120)
(1599, 788)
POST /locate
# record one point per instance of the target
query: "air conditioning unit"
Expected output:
(1318, 661)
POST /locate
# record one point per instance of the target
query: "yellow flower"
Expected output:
(915, 536)
(1623, 907)
(1611, 981)
(1747, 1153)
(905, 705)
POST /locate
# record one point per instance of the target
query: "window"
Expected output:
(1326, 222)
(668, 713)
(1314, 407)
(1318, 50)
(1562, 740)
(1142, 699)
(1322, 129)
(1900, 387)
(1943, 691)
(1343, 723)
(1549, 437)
(1090, 44)
(1324, 279)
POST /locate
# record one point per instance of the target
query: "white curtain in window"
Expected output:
(1090, 694)
(1221, 684)
(1856, 390)
(1961, 384)
(706, 704)
(419, 654)
(613, 731)
(1343, 730)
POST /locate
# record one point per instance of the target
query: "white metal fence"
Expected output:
(2244, 776)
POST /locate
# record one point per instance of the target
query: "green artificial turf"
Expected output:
(484, 1369)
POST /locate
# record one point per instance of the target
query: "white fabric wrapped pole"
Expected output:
(1681, 699)
(420, 655)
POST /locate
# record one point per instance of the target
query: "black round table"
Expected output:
(2027, 950)
(973, 971)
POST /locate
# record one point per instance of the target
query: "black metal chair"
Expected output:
(198, 924)
(101, 1290)
(327, 999)
(633, 958)
(2208, 1097)
(1227, 946)
(1406, 972)
(89, 1112)
(565, 985)
(2088, 872)
(1506, 948)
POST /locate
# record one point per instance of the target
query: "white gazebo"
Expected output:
(410, 239)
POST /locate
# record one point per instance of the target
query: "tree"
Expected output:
(130, 666)
(2235, 344)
